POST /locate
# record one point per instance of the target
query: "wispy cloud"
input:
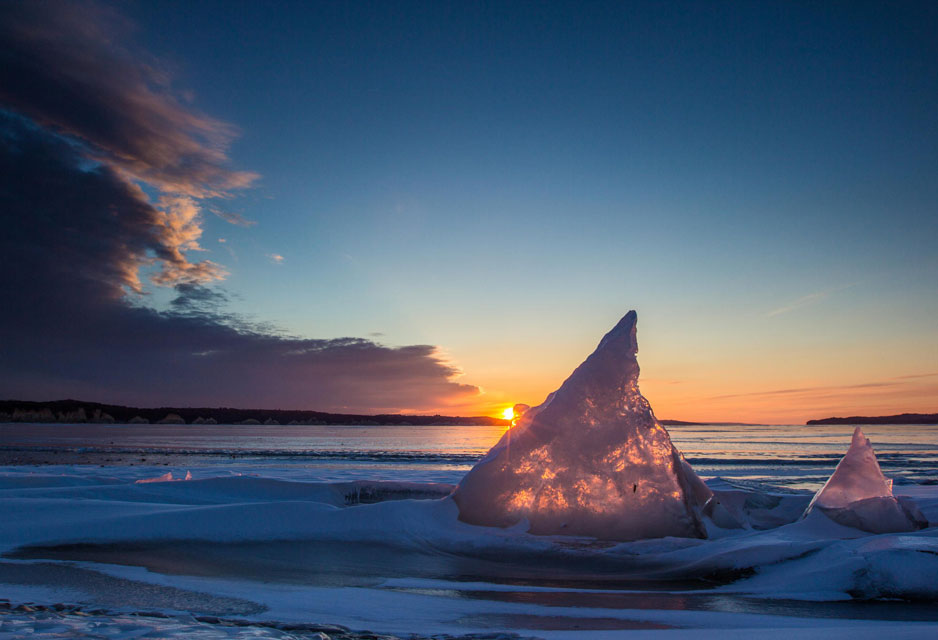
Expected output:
(806, 301)
(232, 218)
(275, 258)
(807, 390)
(803, 301)
(893, 395)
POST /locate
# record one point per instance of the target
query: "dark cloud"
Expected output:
(78, 238)
(196, 299)
(60, 210)
(63, 66)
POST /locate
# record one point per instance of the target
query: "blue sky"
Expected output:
(505, 180)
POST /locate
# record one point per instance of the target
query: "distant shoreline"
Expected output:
(80, 411)
(902, 418)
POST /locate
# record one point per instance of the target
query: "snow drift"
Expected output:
(591, 460)
(858, 495)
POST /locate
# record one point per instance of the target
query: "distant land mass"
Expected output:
(902, 418)
(72, 411)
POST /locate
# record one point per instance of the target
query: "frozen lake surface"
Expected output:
(795, 456)
(320, 524)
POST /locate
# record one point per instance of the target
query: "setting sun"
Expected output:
(508, 414)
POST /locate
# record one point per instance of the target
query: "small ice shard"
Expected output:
(166, 477)
(856, 477)
(592, 460)
(858, 495)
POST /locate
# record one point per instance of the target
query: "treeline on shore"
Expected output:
(77, 411)
(902, 418)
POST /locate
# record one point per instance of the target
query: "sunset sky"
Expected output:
(442, 207)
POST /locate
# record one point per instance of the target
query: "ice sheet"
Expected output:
(325, 552)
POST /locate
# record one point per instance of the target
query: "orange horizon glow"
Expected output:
(752, 381)
(783, 368)
(768, 401)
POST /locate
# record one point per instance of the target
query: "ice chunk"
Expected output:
(858, 495)
(592, 460)
(166, 477)
(856, 477)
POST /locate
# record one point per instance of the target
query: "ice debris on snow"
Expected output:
(166, 477)
(858, 495)
(591, 460)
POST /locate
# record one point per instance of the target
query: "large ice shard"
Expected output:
(858, 495)
(591, 460)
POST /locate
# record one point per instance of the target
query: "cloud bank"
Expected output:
(64, 66)
(103, 173)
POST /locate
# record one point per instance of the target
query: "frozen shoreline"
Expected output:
(292, 546)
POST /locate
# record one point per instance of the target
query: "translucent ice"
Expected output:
(592, 460)
(166, 477)
(859, 495)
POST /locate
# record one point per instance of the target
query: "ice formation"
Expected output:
(592, 460)
(858, 494)
(166, 477)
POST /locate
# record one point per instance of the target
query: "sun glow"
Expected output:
(509, 413)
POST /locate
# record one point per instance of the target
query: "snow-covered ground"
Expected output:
(289, 549)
